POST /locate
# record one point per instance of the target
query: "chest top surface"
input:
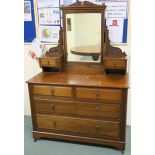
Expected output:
(70, 79)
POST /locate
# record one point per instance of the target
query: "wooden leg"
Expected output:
(122, 152)
(35, 137)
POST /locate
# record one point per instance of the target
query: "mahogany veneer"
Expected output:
(79, 107)
(80, 102)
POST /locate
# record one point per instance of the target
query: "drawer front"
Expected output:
(99, 110)
(99, 94)
(98, 127)
(58, 107)
(87, 126)
(48, 62)
(52, 90)
(115, 64)
(43, 62)
(63, 91)
(52, 62)
(79, 108)
(42, 90)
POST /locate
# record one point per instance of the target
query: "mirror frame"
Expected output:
(82, 7)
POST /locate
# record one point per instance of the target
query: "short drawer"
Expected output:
(99, 110)
(48, 62)
(87, 126)
(52, 90)
(118, 64)
(99, 94)
(55, 107)
(63, 91)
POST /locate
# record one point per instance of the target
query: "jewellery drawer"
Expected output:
(47, 62)
(71, 124)
(52, 90)
(115, 64)
(99, 94)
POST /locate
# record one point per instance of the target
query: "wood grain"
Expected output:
(80, 109)
(74, 124)
(99, 94)
(53, 90)
(81, 103)
(75, 79)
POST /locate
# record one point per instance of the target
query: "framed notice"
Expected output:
(49, 16)
(49, 33)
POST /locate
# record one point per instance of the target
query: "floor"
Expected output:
(49, 147)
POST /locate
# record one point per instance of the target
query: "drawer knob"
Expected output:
(114, 65)
(52, 92)
(54, 124)
(53, 108)
(97, 95)
(98, 128)
(97, 108)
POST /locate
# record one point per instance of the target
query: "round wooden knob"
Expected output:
(53, 108)
(114, 65)
(97, 108)
(97, 128)
(54, 124)
(97, 95)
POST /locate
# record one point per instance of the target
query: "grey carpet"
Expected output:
(49, 147)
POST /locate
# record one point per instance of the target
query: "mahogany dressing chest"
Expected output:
(81, 101)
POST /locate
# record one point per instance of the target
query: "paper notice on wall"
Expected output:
(115, 27)
(68, 2)
(49, 16)
(37, 48)
(48, 3)
(98, 2)
(27, 11)
(49, 33)
(116, 9)
(61, 2)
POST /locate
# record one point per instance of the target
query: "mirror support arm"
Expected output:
(110, 50)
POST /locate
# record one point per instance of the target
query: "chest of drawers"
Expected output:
(64, 107)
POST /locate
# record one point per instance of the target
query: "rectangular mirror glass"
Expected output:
(83, 34)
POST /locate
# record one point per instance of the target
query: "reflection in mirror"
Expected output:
(83, 33)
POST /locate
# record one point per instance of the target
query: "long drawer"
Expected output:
(53, 90)
(78, 108)
(99, 94)
(78, 125)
